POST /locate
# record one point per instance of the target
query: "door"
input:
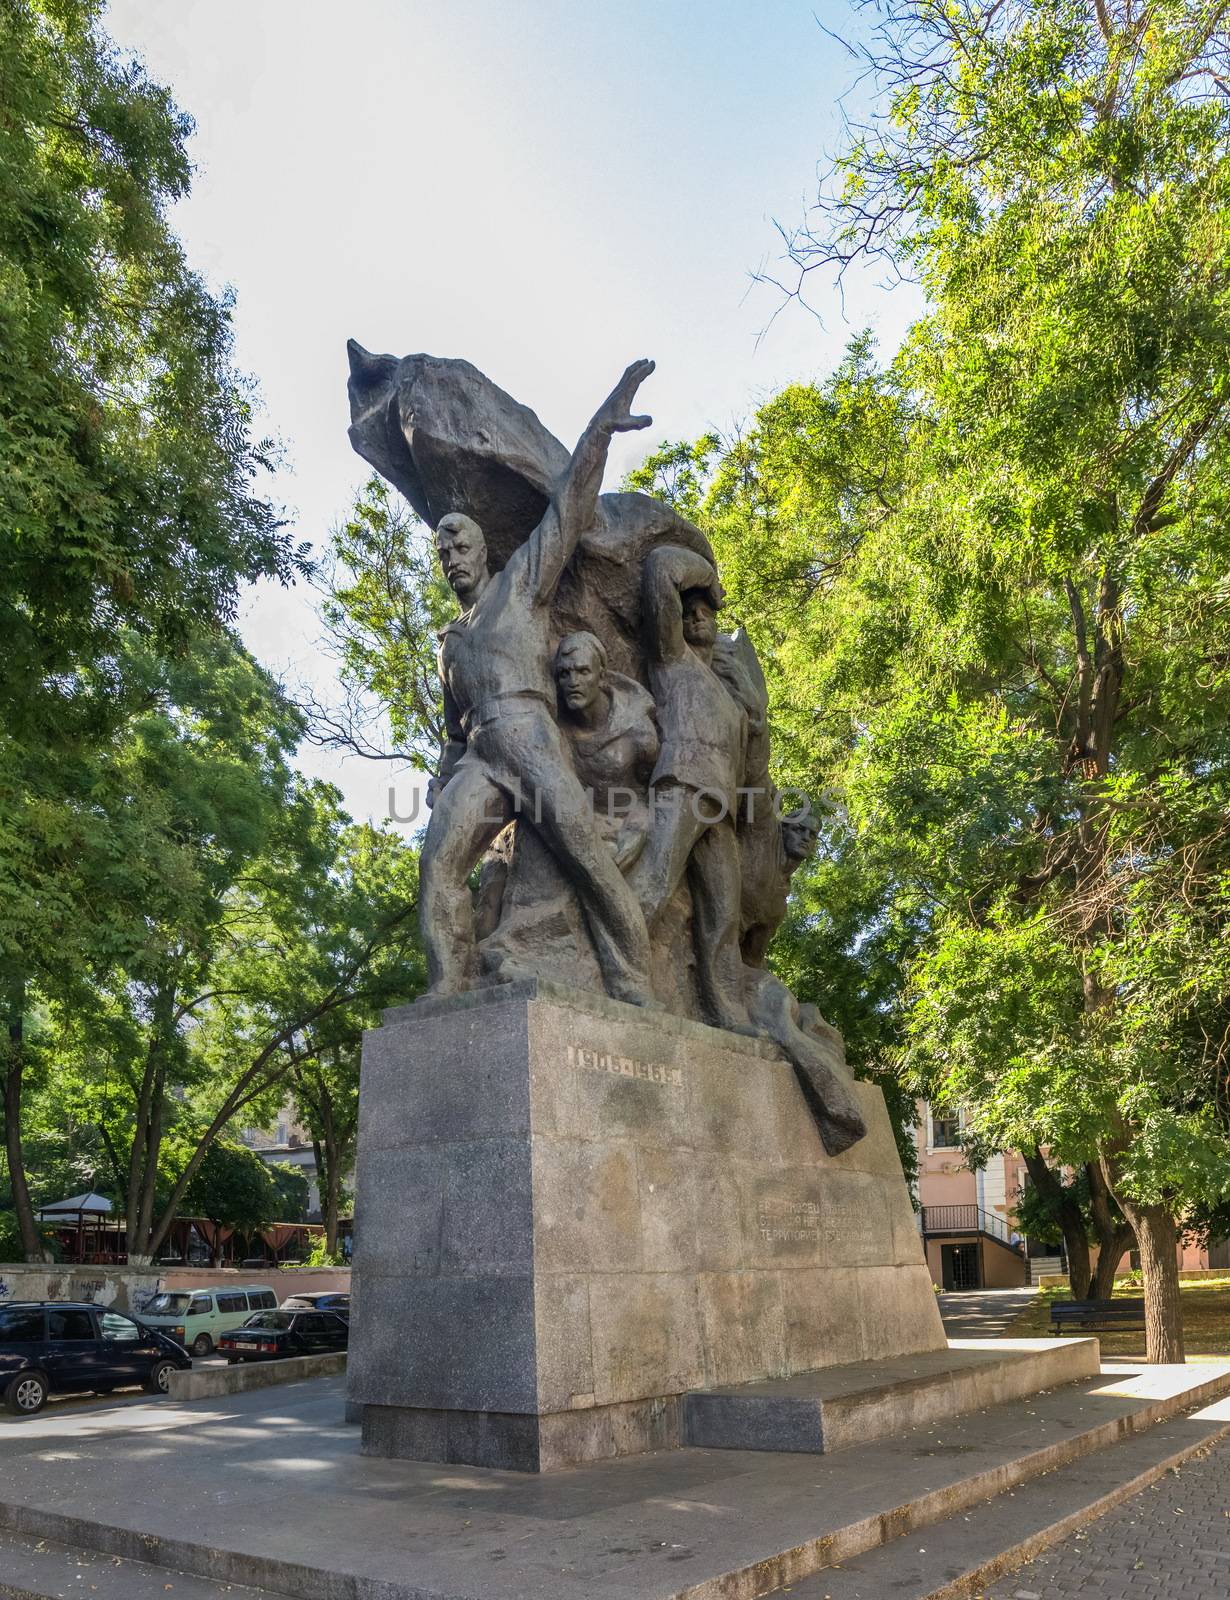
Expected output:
(198, 1318)
(72, 1348)
(23, 1333)
(961, 1266)
(1219, 1252)
(126, 1351)
(318, 1332)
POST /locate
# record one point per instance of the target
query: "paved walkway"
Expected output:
(1172, 1540)
(982, 1313)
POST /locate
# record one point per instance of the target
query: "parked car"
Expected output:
(62, 1347)
(199, 1317)
(333, 1301)
(273, 1334)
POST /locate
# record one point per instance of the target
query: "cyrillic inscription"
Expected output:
(780, 1221)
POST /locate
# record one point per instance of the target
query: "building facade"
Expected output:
(967, 1218)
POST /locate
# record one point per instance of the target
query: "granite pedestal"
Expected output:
(571, 1212)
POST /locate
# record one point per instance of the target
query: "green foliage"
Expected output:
(989, 583)
(251, 911)
(292, 1188)
(126, 463)
(383, 602)
(320, 1255)
(232, 1186)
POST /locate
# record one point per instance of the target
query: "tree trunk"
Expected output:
(1110, 1253)
(31, 1243)
(332, 1197)
(1114, 1234)
(1157, 1239)
(332, 1177)
(1076, 1241)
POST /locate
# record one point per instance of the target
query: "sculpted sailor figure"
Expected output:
(697, 776)
(609, 721)
(505, 756)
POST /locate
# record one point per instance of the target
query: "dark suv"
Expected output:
(61, 1347)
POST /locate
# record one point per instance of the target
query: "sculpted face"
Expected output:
(580, 673)
(699, 620)
(800, 833)
(463, 554)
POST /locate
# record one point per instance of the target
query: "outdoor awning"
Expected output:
(77, 1205)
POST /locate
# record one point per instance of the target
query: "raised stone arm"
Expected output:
(573, 505)
(668, 571)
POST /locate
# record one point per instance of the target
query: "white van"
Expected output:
(197, 1316)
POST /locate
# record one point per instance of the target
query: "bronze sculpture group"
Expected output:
(607, 763)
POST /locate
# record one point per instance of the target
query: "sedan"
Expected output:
(269, 1335)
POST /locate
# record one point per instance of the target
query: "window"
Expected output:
(945, 1132)
(269, 1319)
(232, 1300)
(200, 1305)
(115, 1327)
(70, 1324)
(166, 1305)
(260, 1299)
(21, 1326)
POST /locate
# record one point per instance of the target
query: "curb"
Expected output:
(210, 1382)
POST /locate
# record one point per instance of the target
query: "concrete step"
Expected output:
(45, 1569)
(964, 1553)
(1044, 1265)
(818, 1412)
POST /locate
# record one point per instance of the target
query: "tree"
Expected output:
(989, 579)
(1078, 1210)
(126, 459)
(127, 480)
(232, 1188)
(1033, 638)
(292, 1189)
(257, 910)
(326, 1092)
(302, 941)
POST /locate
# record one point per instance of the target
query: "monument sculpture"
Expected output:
(625, 1159)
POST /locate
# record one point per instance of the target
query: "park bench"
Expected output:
(1105, 1314)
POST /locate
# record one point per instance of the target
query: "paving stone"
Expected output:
(1172, 1538)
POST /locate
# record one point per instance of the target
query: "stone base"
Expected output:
(571, 1212)
(819, 1412)
(520, 1442)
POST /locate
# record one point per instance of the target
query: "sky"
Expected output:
(548, 188)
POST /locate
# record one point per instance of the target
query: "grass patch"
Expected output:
(1206, 1319)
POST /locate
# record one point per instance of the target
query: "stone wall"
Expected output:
(105, 1286)
(132, 1290)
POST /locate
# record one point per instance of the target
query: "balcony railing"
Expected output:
(966, 1219)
